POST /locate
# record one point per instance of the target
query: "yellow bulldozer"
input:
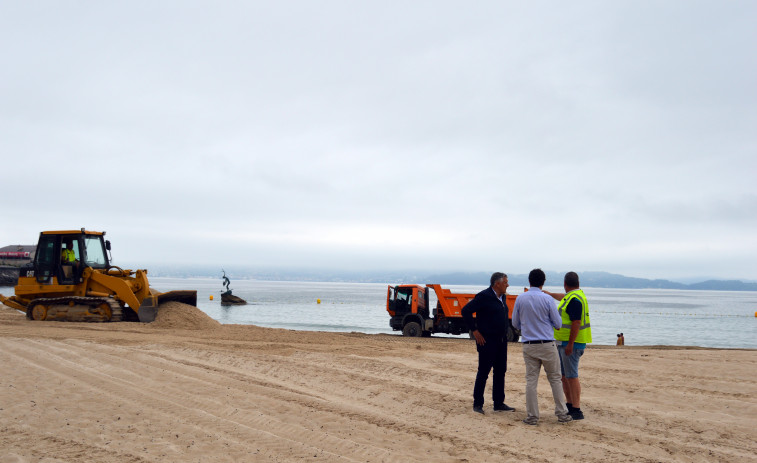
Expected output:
(71, 279)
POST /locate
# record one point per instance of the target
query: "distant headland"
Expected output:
(604, 280)
(588, 279)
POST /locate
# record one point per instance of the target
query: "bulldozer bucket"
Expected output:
(185, 296)
(149, 308)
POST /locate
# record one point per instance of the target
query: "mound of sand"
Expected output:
(177, 315)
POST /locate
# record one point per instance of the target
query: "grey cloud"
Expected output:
(592, 133)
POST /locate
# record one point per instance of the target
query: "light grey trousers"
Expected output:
(534, 356)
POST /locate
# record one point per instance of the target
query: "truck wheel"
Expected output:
(412, 329)
(512, 334)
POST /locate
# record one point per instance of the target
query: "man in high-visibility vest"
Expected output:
(68, 258)
(67, 254)
(572, 337)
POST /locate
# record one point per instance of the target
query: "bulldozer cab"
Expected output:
(64, 255)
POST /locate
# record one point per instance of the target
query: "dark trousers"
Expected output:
(492, 355)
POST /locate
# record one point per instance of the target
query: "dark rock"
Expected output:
(229, 299)
(8, 276)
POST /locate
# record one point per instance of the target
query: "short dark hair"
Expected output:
(537, 277)
(496, 276)
(571, 280)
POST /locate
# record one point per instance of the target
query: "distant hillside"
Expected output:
(724, 285)
(588, 279)
(596, 280)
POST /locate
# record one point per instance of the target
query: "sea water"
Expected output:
(644, 316)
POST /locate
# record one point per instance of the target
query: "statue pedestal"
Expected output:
(229, 299)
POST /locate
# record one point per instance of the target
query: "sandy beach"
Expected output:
(187, 389)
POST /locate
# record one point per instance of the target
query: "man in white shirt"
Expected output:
(535, 315)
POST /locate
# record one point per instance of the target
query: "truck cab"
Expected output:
(408, 306)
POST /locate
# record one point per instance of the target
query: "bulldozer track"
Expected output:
(60, 308)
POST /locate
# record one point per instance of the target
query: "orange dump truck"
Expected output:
(408, 306)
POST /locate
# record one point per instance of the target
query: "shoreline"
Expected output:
(461, 338)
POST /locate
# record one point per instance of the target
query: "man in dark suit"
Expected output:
(489, 328)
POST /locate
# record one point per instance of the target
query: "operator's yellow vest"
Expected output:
(584, 331)
(68, 255)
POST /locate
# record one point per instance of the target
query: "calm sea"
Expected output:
(644, 316)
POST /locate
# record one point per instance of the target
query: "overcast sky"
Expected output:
(450, 136)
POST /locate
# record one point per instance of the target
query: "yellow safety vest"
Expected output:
(584, 330)
(68, 255)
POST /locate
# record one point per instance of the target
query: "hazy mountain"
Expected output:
(597, 280)
(588, 279)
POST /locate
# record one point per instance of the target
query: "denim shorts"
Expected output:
(569, 363)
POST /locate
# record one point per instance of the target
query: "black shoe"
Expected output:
(478, 409)
(577, 414)
(503, 408)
